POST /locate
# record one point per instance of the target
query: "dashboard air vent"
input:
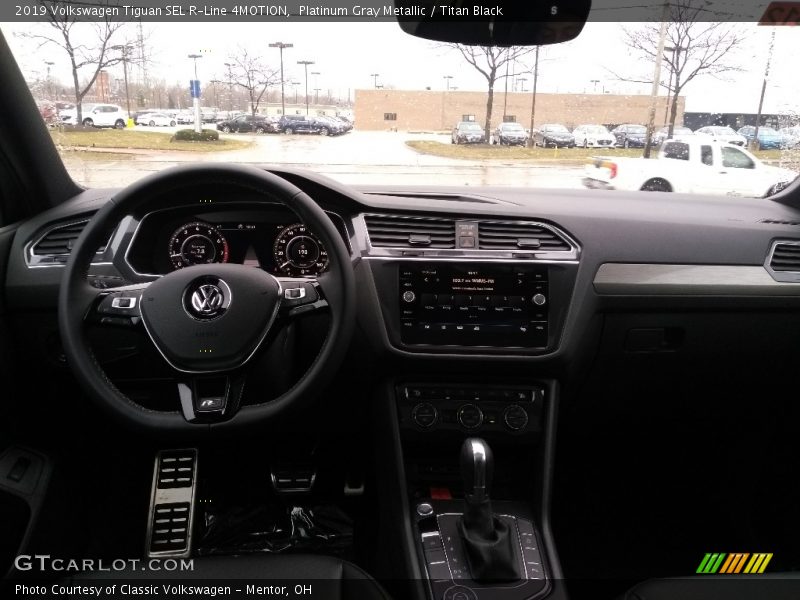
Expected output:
(519, 236)
(394, 231)
(60, 239)
(785, 257)
(780, 222)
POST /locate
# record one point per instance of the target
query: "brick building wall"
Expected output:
(414, 110)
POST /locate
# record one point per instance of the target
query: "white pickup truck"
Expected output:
(699, 166)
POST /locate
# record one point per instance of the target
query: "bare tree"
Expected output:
(90, 47)
(490, 61)
(250, 72)
(693, 48)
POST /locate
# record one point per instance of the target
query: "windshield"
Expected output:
(371, 104)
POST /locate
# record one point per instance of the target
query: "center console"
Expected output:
(474, 459)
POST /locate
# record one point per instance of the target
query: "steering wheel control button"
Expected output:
(409, 296)
(123, 302)
(539, 299)
(426, 510)
(470, 416)
(459, 592)
(296, 294)
(119, 304)
(515, 417)
(425, 415)
(207, 298)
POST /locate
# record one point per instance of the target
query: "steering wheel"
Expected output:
(207, 321)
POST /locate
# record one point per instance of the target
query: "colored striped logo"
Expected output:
(738, 562)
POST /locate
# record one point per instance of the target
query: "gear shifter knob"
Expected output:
(477, 467)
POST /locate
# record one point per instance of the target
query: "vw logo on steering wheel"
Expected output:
(207, 299)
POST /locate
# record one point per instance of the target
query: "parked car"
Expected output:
(329, 126)
(698, 166)
(96, 115)
(791, 136)
(155, 119)
(290, 124)
(510, 134)
(768, 137)
(467, 132)
(185, 117)
(553, 134)
(593, 136)
(244, 124)
(346, 123)
(722, 134)
(678, 132)
(630, 135)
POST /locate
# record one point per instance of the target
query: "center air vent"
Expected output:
(785, 257)
(391, 231)
(495, 235)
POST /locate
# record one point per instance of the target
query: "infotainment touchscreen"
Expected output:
(471, 305)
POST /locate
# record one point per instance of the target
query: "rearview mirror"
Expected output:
(493, 23)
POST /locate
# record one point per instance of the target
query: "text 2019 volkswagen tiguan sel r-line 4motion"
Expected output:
(385, 365)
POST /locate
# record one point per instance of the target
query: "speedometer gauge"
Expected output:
(298, 252)
(197, 244)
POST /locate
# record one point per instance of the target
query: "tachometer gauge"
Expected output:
(298, 252)
(197, 244)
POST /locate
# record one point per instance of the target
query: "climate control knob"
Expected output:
(409, 296)
(515, 417)
(539, 299)
(424, 414)
(470, 416)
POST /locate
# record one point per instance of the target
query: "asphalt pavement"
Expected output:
(358, 157)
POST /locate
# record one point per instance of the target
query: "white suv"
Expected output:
(98, 115)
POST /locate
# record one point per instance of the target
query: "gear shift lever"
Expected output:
(477, 468)
(488, 541)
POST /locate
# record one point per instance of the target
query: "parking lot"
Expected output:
(358, 157)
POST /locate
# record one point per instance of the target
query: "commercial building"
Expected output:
(415, 110)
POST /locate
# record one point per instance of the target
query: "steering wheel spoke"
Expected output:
(301, 296)
(116, 307)
(211, 399)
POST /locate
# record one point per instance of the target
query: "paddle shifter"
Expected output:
(488, 541)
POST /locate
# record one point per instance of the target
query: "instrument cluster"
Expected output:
(271, 240)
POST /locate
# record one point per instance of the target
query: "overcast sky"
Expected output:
(346, 54)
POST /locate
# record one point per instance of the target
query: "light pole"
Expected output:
(447, 79)
(230, 85)
(198, 119)
(281, 46)
(305, 64)
(594, 82)
(49, 85)
(124, 49)
(375, 79)
(533, 97)
(521, 84)
(316, 85)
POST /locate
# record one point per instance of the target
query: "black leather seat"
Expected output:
(774, 586)
(329, 578)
